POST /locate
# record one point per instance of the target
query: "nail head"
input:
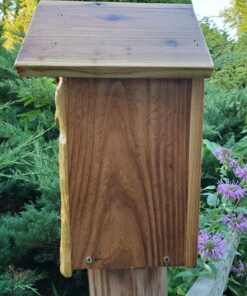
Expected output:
(89, 260)
(166, 259)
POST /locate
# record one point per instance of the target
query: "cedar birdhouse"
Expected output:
(130, 109)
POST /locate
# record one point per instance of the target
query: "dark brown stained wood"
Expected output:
(86, 39)
(128, 282)
(128, 152)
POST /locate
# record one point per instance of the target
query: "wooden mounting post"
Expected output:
(128, 282)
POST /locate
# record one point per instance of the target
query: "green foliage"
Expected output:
(181, 279)
(19, 282)
(34, 93)
(37, 95)
(224, 113)
(238, 286)
(38, 92)
(16, 20)
(241, 145)
(216, 39)
(23, 234)
(29, 186)
(231, 66)
(56, 293)
(236, 15)
(8, 76)
(7, 5)
(226, 93)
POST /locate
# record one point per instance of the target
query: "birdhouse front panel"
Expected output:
(128, 144)
(130, 107)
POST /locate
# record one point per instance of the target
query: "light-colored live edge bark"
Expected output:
(65, 245)
(128, 282)
(194, 173)
(210, 286)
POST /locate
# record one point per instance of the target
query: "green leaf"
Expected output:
(211, 146)
(185, 274)
(211, 187)
(243, 202)
(240, 210)
(234, 291)
(235, 282)
(180, 291)
(212, 200)
(212, 271)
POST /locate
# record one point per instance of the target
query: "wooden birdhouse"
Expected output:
(130, 108)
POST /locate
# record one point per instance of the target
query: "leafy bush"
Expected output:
(224, 113)
(19, 282)
(29, 189)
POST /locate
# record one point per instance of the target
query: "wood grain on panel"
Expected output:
(65, 245)
(128, 282)
(81, 39)
(128, 148)
(195, 144)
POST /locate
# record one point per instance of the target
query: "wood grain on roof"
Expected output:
(87, 39)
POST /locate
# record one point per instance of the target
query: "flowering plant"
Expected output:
(211, 246)
(225, 208)
(238, 268)
(223, 215)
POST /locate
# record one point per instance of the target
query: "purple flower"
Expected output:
(233, 164)
(211, 246)
(241, 172)
(222, 154)
(231, 190)
(238, 269)
(225, 157)
(236, 222)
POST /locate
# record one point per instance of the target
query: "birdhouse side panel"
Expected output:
(194, 185)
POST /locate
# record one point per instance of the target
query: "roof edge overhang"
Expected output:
(106, 71)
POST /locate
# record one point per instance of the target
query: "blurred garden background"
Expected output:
(29, 185)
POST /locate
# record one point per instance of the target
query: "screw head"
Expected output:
(89, 260)
(166, 259)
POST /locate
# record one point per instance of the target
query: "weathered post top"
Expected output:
(129, 149)
(97, 39)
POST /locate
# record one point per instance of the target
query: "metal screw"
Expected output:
(89, 260)
(166, 259)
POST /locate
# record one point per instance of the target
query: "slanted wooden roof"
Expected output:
(89, 39)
